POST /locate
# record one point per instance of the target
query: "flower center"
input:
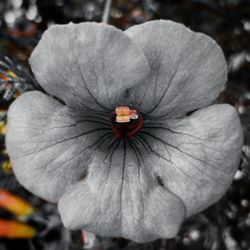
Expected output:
(125, 122)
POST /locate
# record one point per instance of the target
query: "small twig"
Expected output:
(106, 12)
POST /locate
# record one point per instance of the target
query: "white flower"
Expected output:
(139, 179)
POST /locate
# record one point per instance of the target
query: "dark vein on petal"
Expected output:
(163, 95)
(105, 83)
(136, 151)
(76, 94)
(178, 132)
(88, 108)
(71, 138)
(98, 117)
(170, 130)
(123, 174)
(143, 142)
(172, 146)
(169, 160)
(154, 73)
(78, 154)
(72, 125)
(100, 141)
(114, 145)
(89, 92)
(171, 163)
(85, 84)
(124, 158)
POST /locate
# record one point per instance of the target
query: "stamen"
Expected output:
(125, 122)
(122, 114)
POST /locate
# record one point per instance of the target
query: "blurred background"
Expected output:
(29, 223)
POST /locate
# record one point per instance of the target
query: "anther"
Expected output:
(125, 122)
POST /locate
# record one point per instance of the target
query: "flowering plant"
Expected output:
(124, 138)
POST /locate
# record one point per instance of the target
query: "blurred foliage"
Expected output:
(224, 226)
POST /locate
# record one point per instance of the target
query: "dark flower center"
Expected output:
(125, 122)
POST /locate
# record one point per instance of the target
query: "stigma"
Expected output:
(125, 122)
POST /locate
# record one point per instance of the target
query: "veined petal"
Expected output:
(88, 65)
(120, 198)
(188, 69)
(48, 144)
(196, 157)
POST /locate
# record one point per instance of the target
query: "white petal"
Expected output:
(188, 69)
(89, 64)
(46, 142)
(197, 156)
(121, 199)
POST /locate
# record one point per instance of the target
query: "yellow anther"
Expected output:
(122, 118)
(122, 110)
(122, 114)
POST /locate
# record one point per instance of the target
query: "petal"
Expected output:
(46, 145)
(88, 64)
(197, 157)
(120, 198)
(188, 69)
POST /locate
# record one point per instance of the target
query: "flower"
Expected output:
(124, 139)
